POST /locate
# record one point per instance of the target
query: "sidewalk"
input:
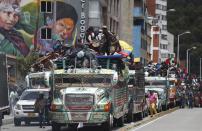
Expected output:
(8, 119)
(129, 126)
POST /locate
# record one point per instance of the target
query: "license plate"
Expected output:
(31, 115)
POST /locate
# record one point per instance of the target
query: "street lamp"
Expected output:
(171, 10)
(178, 45)
(194, 47)
(200, 69)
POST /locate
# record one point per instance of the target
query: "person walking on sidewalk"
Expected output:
(152, 103)
(190, 99)
(40, 108)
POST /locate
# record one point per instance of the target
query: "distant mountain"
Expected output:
(188, 16)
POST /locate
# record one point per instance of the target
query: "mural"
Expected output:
(11, 41)
(22, 25)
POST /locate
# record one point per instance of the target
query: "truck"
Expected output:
(137, 102)
(4, 93)
(87, 96)
(40, 79)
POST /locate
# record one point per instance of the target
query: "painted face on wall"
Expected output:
(8, 19)
(64, 27)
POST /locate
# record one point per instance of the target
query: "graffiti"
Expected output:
(63, 29)
(22, 34)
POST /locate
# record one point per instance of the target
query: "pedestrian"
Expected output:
(182, 99)
(47, 107)
(11, 97)
(152, 103)
(11, 41)
(40, 108)
(190, 99)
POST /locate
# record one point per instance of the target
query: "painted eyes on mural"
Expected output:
(9, 13)
(64, 26)
(61, 25)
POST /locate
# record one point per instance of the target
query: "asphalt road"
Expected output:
(35, 127)
(180, 120)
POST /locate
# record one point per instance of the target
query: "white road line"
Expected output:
(148, 123)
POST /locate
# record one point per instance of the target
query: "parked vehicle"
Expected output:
(161, 83)
(161, 96)
(24, 108)
(137, 102)
(38, 79)
(4, 93)
(90, 96)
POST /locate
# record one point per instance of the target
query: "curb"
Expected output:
(146, 120)
(7, 121)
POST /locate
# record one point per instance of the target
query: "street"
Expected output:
(180, 120)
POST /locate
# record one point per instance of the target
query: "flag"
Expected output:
(167, 61)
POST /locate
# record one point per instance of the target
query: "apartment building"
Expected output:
(157, 9)
(119, 18)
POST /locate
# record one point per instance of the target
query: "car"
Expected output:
(24, 109)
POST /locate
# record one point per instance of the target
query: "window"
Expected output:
(164, 8)
(162, 46)
(45, 33)
(158, 6)
(46, 6)
(163, 55)
(164, 27)
(163, 17)
(164, 37)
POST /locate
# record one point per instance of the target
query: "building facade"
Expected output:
(140, 31)
(119, 18)
(158, 10)
(171, 53)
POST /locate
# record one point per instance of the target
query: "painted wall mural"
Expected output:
(25, 27)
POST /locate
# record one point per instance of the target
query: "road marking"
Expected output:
(148, 123)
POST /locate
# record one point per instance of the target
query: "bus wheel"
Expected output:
(120, 121)
(107, 126)
(56, 126)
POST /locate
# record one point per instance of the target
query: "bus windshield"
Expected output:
(37, 83)
(68, 81)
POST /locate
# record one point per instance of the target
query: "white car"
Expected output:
(24, 108)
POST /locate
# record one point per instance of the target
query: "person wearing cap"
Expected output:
(64, 29)
(11, 41)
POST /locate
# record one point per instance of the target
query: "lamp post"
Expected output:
(200, 69)
(188, 57)
(178, 44)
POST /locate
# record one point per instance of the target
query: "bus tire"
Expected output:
(56, 126)
(120, 121)
(107, 126)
